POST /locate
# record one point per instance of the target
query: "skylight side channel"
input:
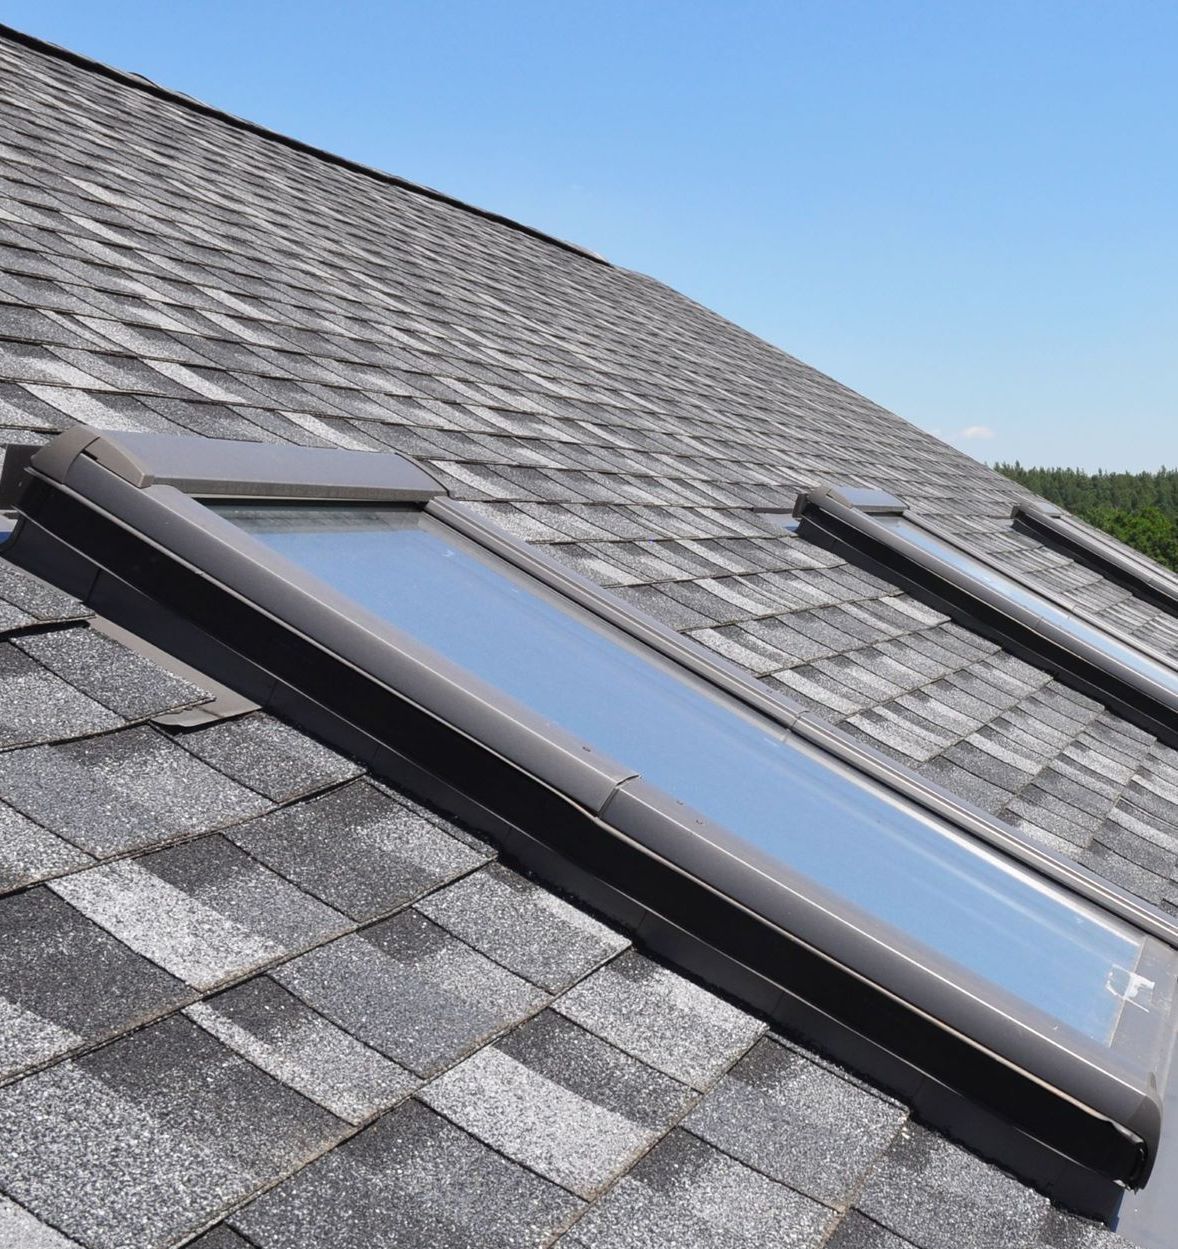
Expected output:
(339, 588)
(1136, 681)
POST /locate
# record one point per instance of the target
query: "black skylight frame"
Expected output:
(834, 517)
(117, 521)
(1120, 564)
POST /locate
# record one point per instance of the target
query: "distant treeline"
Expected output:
(1139, 508)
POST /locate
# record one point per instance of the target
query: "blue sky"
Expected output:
(967, 211)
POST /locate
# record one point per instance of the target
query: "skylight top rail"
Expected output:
(1134, 680)
(553, 717)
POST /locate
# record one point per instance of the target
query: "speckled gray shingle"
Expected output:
(1059, 1229)
(796, 1121)
(269, 756)
(202, 910)
(939, 1197)
(30, 853)
(561, 1101)
(137, 1142)
(661, 1018)
(277, 1032)
(411, 1179)
(36, 598)
(122, 791)
(191, 1083)
(109, 673)
(51, 959)
(857, 1232)
(20, 1230)
(523, 926)
(38, 706)
(358, 849)
(221, 1237)
(411, 991)
(687, 1195)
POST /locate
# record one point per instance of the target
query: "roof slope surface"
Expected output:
(329, 1016)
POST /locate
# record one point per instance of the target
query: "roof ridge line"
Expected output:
(143, 83)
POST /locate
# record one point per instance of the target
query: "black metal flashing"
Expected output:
(142, 83)
(102, 517)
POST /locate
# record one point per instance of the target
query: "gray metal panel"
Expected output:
(54, 459)
(222, 468)
(865, 498)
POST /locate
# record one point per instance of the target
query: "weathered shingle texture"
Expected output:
(249, 995)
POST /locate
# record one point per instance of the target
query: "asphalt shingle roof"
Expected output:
(252, 997)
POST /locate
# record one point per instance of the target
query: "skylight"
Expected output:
(634, 767)
(1111, 559)
(1157, 674)
(883, 857)
(1128, 676)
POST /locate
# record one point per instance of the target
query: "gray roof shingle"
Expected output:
(283, 1036)
(524, 927)
(147, 1138)
(412, 1178)
(411, 991)
(562, 1102)
(661, 1018)
(122, 791)
(357, 849)
(687, 1195)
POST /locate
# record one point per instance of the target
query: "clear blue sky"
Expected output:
(967, 211)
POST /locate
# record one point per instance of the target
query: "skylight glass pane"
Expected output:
(1160, 675)
(910, 870)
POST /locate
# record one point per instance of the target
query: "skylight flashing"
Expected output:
(869, 500)
(114, 516)
(1054, 603)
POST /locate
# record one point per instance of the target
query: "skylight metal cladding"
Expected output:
(543, 708)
